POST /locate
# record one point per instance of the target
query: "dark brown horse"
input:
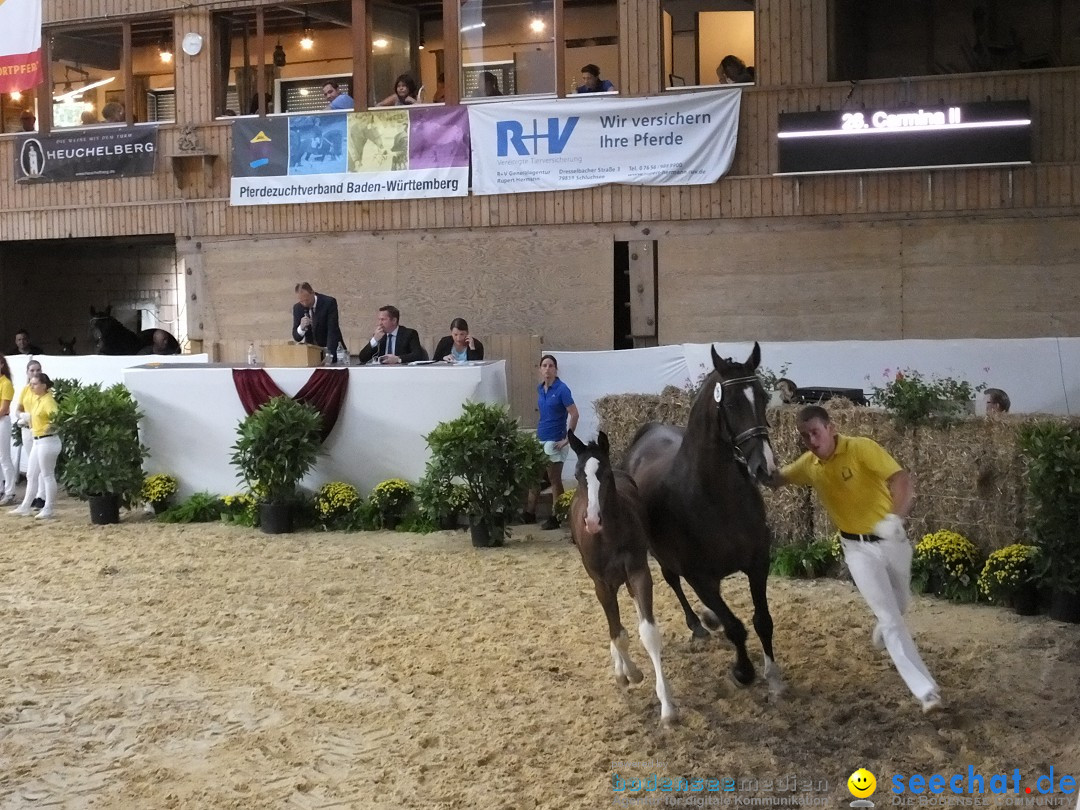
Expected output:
(607, 522)
(706, 515)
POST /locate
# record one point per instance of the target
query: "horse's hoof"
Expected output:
(635, 676)
(742, 677)
(698, 633)
(622, 680)
(670, 718)
(711, 620)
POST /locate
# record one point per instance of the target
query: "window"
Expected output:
(301, 42)
(591, 39)
(507, 48)
(924, 37)
(91, 78)
(708, 42)
(19, 111)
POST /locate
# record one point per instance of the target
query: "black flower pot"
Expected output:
(448, 522)
(276, 518)
(484, 535)
(1025, 601)
(104, 509)
(159, 506)
(1065, 607)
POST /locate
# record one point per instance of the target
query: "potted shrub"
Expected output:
(945, 563)
(441, 500)
(389, 501)
(560, 509)
(158, 490)
(1010, 578)
(1052, 451)
(914, 399)
(103, 462)
(276, 447)
(497, 462)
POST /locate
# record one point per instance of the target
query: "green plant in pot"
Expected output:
(103, 458)
(276, 447)
(389, 500)
(1052, 452)
(1010, 577)
(497, 462)
(440, 499)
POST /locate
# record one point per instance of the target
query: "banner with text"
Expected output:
(86, 155)
(20, 45)
(552, 145)
(395, 154)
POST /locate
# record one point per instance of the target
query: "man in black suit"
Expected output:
(392, 343)
(315, 320)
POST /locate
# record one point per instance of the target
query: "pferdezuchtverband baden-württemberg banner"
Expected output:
(399, 153)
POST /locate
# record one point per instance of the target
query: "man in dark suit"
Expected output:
(392, 343)
(23, 344)
(315, 320)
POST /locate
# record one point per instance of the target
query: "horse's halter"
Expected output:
(755, 432)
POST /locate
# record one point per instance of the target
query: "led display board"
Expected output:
(991, 133)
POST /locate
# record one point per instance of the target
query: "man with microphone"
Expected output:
(315, 321)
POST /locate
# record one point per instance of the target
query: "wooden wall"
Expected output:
(866, 280)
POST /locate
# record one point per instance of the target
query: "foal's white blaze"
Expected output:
(650, 637)
(592, 483)
(749, 393)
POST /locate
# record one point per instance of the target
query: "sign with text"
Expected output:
(991, 133)
(395, 154)
(558, 144)
(86, 155)
(20, 45)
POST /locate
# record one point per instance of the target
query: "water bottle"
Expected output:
(251, 358)
(342, 354)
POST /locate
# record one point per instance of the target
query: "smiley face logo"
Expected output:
(862, 784)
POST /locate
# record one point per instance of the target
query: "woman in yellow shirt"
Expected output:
(22, 405)
(46, 450)
(7, 393)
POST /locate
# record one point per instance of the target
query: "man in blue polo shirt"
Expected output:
(591, 81)
(339, 99)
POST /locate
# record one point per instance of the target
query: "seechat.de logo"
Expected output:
(512, 134)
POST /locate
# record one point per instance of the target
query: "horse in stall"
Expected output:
(67, 347)
(607, 522)
(109, 336)
(706, 515)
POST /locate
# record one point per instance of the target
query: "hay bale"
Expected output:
(969, 475)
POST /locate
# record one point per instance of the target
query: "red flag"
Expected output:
(20, 45)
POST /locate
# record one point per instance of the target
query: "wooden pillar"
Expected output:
(260, 69)
(129, 81)
(452, 50)
(560, 49)
(361, 28)
(45, 89)
(640, 48)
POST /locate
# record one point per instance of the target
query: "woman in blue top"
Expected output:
(556, 406)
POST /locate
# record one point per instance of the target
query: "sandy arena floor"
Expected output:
(148, 666)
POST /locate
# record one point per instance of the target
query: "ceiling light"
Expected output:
(420, 45)
(165, 51)
(537, 25)
(306, 41)
(380, 42)
(73, 94)
(473, 27)
(16, 96)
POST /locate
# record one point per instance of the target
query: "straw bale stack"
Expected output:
(969, 476)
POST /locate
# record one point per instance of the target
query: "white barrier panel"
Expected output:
(1040, 375)
(192, 415)
(107, 369)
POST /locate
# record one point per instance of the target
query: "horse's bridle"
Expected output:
(756, 432)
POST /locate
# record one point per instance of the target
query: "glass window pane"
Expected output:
(592, 39)
(507, 48)
(87, 81)
(395, 37)
(19, 111)
(152, 68)
(708, 42)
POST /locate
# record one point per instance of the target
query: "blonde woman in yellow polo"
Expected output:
(42, 464)
(22, 405)
(7, 394)
(867, 495)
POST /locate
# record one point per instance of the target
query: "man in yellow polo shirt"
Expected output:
(867, 495)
